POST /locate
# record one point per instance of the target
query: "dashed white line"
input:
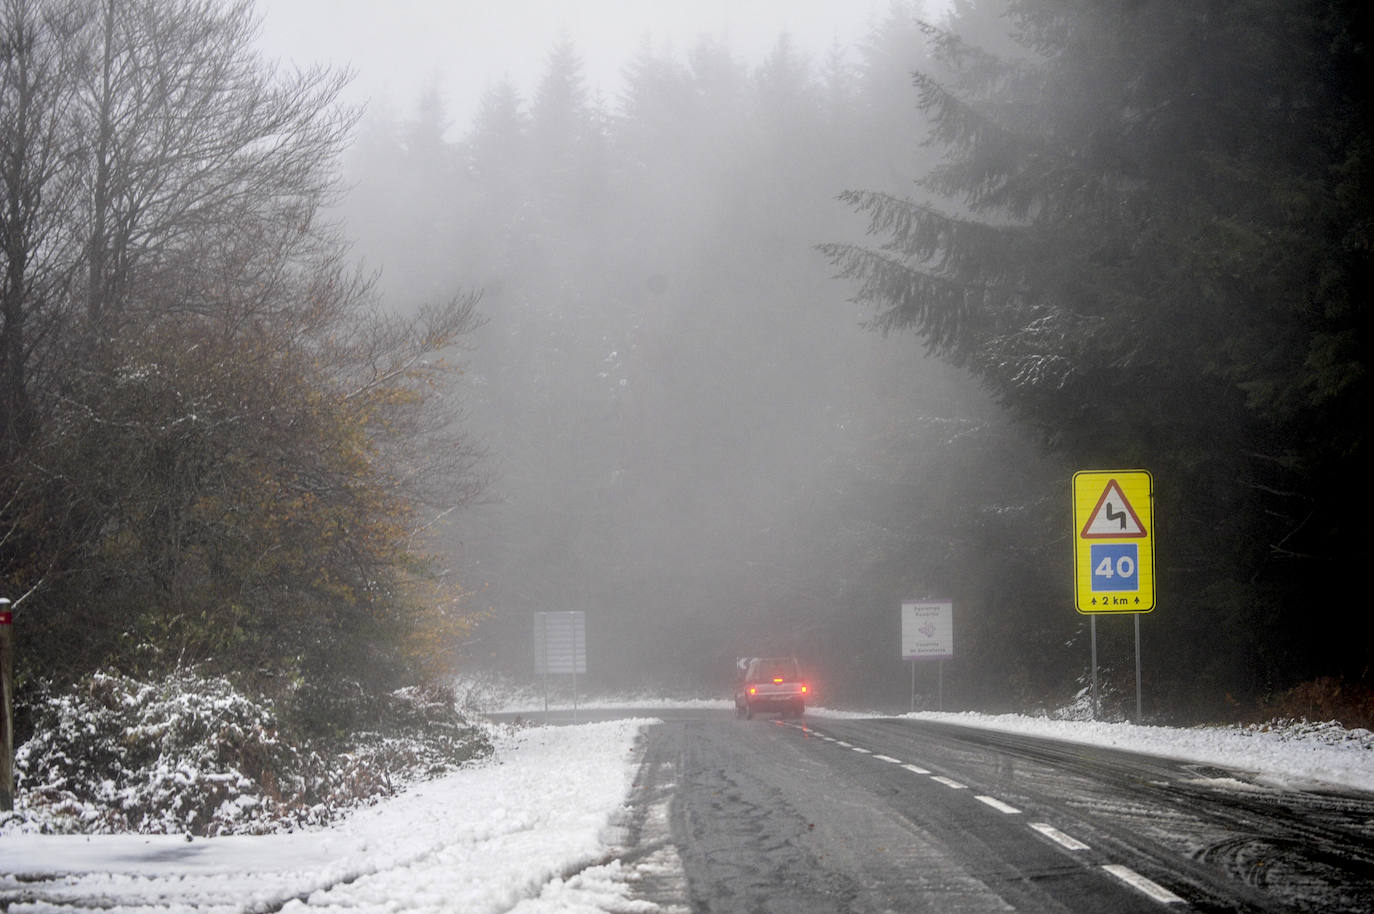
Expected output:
(1058, 837)
(1127, 875)
(1140, 883)
(998, 805)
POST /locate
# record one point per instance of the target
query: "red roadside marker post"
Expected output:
(6, 707)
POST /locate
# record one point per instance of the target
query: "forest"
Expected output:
(733, 362)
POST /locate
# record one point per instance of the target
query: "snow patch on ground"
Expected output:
(1297, 755)
(534, 707)
(526, 823)
(539, 827)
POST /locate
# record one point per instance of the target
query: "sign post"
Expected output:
(928, 634)
(1114, 552)
(6, 707)
(560, 647)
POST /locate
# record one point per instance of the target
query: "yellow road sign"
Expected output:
(1113, 541)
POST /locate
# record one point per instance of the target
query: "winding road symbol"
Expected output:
(1113, 518)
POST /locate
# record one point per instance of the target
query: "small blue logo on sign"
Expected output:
(1115, 566)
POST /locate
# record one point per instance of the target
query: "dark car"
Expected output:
(771, 684)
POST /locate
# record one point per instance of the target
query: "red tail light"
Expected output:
(803, 689)
(753, 691)
(777, 679)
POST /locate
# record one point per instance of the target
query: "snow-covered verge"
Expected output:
(525, 830)
(192, 754)
(1296, 754)
(1300, 755)
(535, 828)
(1284, 754)
(497, 694)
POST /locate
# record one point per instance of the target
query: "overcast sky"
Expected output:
(397, 46)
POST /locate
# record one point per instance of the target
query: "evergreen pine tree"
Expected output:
(1121, 241)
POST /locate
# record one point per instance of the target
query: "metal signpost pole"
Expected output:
(1092, 621)
(546, 652)
(1138, 714)
(913, 684)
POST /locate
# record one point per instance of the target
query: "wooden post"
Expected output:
(6, 708)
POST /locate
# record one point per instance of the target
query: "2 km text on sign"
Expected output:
(1114, 551)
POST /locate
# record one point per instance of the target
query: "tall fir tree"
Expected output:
(1121, 241)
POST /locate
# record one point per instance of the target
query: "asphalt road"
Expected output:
(825, 815)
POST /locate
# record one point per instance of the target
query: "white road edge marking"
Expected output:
(915, 769)
(1058, 837)
(1136, 881)
(950, 783)
(888, 758)
(840, 742)
(861, 749)
(998, 805)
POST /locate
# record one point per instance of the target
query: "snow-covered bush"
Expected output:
(192, 754)
(479, 692)
(419, 735)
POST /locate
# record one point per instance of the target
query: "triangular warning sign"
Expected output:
(1113, 518)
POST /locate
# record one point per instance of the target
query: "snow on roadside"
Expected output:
(1295, 755)
(535, 828)
(484, 838)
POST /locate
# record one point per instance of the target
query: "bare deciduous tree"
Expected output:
(38, 149)
(208, 421)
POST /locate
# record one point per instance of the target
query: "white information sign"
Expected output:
(927, 630)
(560, 643)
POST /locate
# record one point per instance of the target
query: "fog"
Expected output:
(700, 437)
(398, 49)
(692, 436)
(732, 333)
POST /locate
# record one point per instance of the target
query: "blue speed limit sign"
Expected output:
(1115, 566)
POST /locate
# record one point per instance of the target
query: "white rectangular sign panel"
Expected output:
(560, 643)
(927, 629)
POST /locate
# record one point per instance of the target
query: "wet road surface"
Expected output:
(826, 815)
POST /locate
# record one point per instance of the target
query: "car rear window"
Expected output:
(765, 670)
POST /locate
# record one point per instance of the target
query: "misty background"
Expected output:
(732, 336)
(691, 434)
(696, 436)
